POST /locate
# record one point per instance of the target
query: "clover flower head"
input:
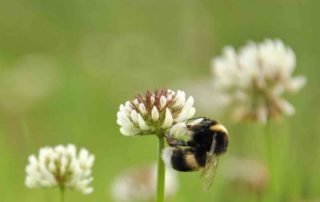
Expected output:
(62, 167)
(255, 78)
(139, 184)
(154, 111)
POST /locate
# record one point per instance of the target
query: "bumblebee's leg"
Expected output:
(192, 143)
(173, 142)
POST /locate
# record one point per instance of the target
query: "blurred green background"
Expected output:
(66, 66)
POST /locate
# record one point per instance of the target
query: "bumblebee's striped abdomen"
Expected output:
(181, 159)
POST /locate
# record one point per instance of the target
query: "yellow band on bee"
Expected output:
(191, 161)
(219, 128)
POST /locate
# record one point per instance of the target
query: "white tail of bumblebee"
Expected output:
(166, 156)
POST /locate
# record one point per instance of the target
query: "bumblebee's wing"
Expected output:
(209, 171)
(195, 125)
(210, 167)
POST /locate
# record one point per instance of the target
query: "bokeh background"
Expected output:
(65, 67)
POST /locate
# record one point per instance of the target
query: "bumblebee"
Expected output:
(208, 140)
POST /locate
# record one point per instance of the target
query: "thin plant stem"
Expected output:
(47, 196)
(269, 143)
(26, 134)
(161, 172)
(270, 160)
(62, 191)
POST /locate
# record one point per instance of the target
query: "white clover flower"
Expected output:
(23, 85)
(62, 167)
(255, 78)
(154, 111)
(139, 184)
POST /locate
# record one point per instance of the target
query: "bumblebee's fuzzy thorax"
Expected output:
(208, 131)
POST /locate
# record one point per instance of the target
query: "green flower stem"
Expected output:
(161, 172)
(62, 190)
(269, 143)
(269, 151)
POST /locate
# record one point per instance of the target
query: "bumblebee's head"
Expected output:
(221, 138)
(201, 124)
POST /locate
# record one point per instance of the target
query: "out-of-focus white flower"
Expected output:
(154, 111)
(31, 79)
(247, 173)
(255, 78)
(139, 184)
(62, 167)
